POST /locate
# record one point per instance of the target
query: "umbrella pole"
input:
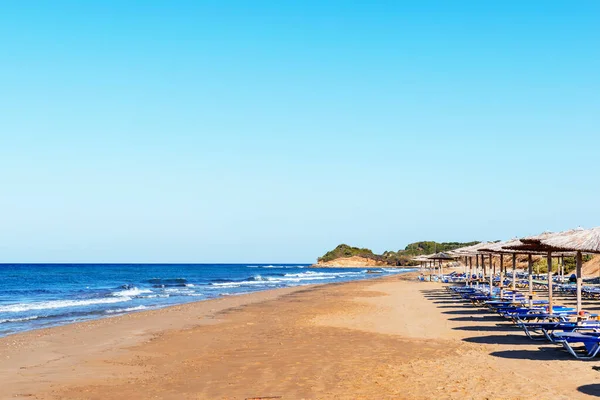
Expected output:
(501, 284)
(477, 269)
(430, 275)
(579, 263)
(530, 273)
(492, 272)
(482, 269)
(470, 270)
(514, 277)
(550, 300)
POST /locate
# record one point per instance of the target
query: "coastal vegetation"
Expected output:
(343, 250)
(430, 247)
(401, 257)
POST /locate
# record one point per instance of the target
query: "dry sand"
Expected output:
(386, 338)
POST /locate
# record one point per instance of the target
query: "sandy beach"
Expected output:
(385, 338)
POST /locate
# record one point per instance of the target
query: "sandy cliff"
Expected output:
(591, 268)
(351, 262)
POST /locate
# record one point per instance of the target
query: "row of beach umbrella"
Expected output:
(571, 243)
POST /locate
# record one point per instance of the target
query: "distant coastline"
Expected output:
(344, 256)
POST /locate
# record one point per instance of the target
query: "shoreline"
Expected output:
(28, 349)
(73, 343)
(59, 324)
(359, 266)
(389, 337)
(143, 296)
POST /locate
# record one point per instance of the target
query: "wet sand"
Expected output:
(386, 338)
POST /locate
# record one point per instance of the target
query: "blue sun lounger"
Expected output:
(540, 314)
(590, 341)
(545, 329)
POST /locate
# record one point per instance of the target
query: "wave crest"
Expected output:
(45, 305)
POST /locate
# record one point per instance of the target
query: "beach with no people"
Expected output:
(386, 338)
(305, 200)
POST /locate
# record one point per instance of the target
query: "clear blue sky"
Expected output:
(271, 131)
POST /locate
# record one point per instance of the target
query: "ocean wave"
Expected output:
(233, 293)
(238, 283)
(122, 310)
(45, 305)
(300, 279)
(269, 281)
(165, 282)
(329, 275)
(285, 279)
(182, 292)
(131, 292)
(2, 321)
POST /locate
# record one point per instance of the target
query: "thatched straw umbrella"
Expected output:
(497, 248)
(421, 259)
(576, 240)
(469, 252)
(506, 248)
(425, 262)
(441, 257)
(579, 240)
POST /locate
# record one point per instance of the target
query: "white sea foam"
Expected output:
(134, 291)
(2, 321)
(182, 292)
(122, 310)
(299, 279)
(270, 280)
(45, 305)
(233, 294)
(326, 275)
(238, 284)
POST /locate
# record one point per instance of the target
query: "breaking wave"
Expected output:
(46, 305)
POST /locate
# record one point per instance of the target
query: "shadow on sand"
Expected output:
(448, 302)
(458, 307)
(592, 390)
(470, 311)
(542, 354)
(488, 328)
(445, 295)
(483, 318)
(499, 339)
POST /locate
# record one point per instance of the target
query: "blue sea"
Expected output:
(43, 295)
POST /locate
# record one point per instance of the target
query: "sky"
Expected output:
(271, 131)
